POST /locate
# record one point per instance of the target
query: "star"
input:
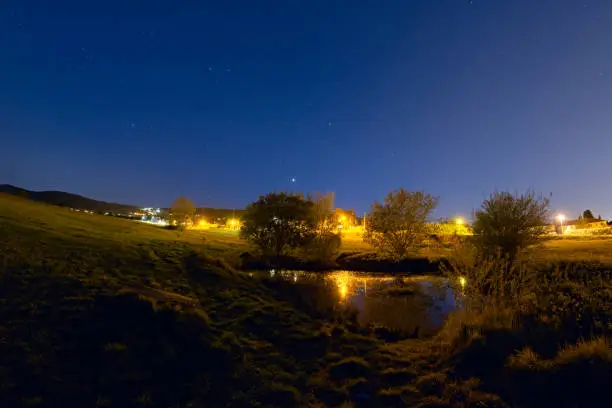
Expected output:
(292, 179)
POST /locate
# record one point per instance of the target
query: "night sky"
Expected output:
(139, 102)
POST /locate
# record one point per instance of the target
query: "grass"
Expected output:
(100, 311)
(227, 244)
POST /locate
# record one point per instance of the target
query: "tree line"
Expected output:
(278, 223)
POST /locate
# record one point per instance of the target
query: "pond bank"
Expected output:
(360, 262)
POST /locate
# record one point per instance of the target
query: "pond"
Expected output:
(418, 304)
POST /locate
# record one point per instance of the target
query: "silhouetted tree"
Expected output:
(182, 211)
(506, 224)
(277, 222)
(588, 215)
(399, 224)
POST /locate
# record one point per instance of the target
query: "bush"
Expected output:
(506, 224)
(323, 247)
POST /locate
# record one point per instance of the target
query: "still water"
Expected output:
(397, 302)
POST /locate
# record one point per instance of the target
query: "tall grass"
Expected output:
(531, 328)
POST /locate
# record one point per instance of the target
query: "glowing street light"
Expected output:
(459, 221)
(462, 281)
(561, 218)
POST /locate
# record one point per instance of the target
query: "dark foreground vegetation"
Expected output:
(103, 312)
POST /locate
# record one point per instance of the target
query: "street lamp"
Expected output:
(561, 218)
(459, 221)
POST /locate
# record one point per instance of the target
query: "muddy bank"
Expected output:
(361, 262)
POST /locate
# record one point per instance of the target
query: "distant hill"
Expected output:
(64, 199)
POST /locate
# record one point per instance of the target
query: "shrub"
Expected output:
(398, 225)
(324, 247)
(506, 224)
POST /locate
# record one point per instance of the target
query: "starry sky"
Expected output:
(139, 101)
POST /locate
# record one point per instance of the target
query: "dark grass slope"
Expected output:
(96, 311)
(102, 312)
(64, 199)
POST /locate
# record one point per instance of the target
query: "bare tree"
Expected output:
(399, 224)
(324, 244)
(324, 211)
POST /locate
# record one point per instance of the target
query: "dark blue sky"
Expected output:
(141, 101)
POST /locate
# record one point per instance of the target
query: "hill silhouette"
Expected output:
(64, 199)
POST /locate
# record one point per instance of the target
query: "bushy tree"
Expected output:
(506, 224)
(182, 212)
(278, 222)
(588, 215)
(399, 224)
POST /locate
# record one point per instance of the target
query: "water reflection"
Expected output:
(397, 302)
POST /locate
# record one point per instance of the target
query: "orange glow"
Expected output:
(343, 291)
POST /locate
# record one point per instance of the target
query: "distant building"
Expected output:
(586, 224)
(581, 226)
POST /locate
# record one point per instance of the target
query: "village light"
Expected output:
(459, 221)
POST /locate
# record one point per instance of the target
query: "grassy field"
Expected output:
(103, 312)
(593, 249)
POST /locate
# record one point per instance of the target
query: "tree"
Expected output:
(324, 212)
(588, 215)
(278, 222)
(506, 224)
(399, 224)
(182, 211)
(324, 244)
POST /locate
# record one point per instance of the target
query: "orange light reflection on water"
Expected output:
(352, 283)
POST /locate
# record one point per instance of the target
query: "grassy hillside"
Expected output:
(105, 312)
(102, 312)
(64, 199)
